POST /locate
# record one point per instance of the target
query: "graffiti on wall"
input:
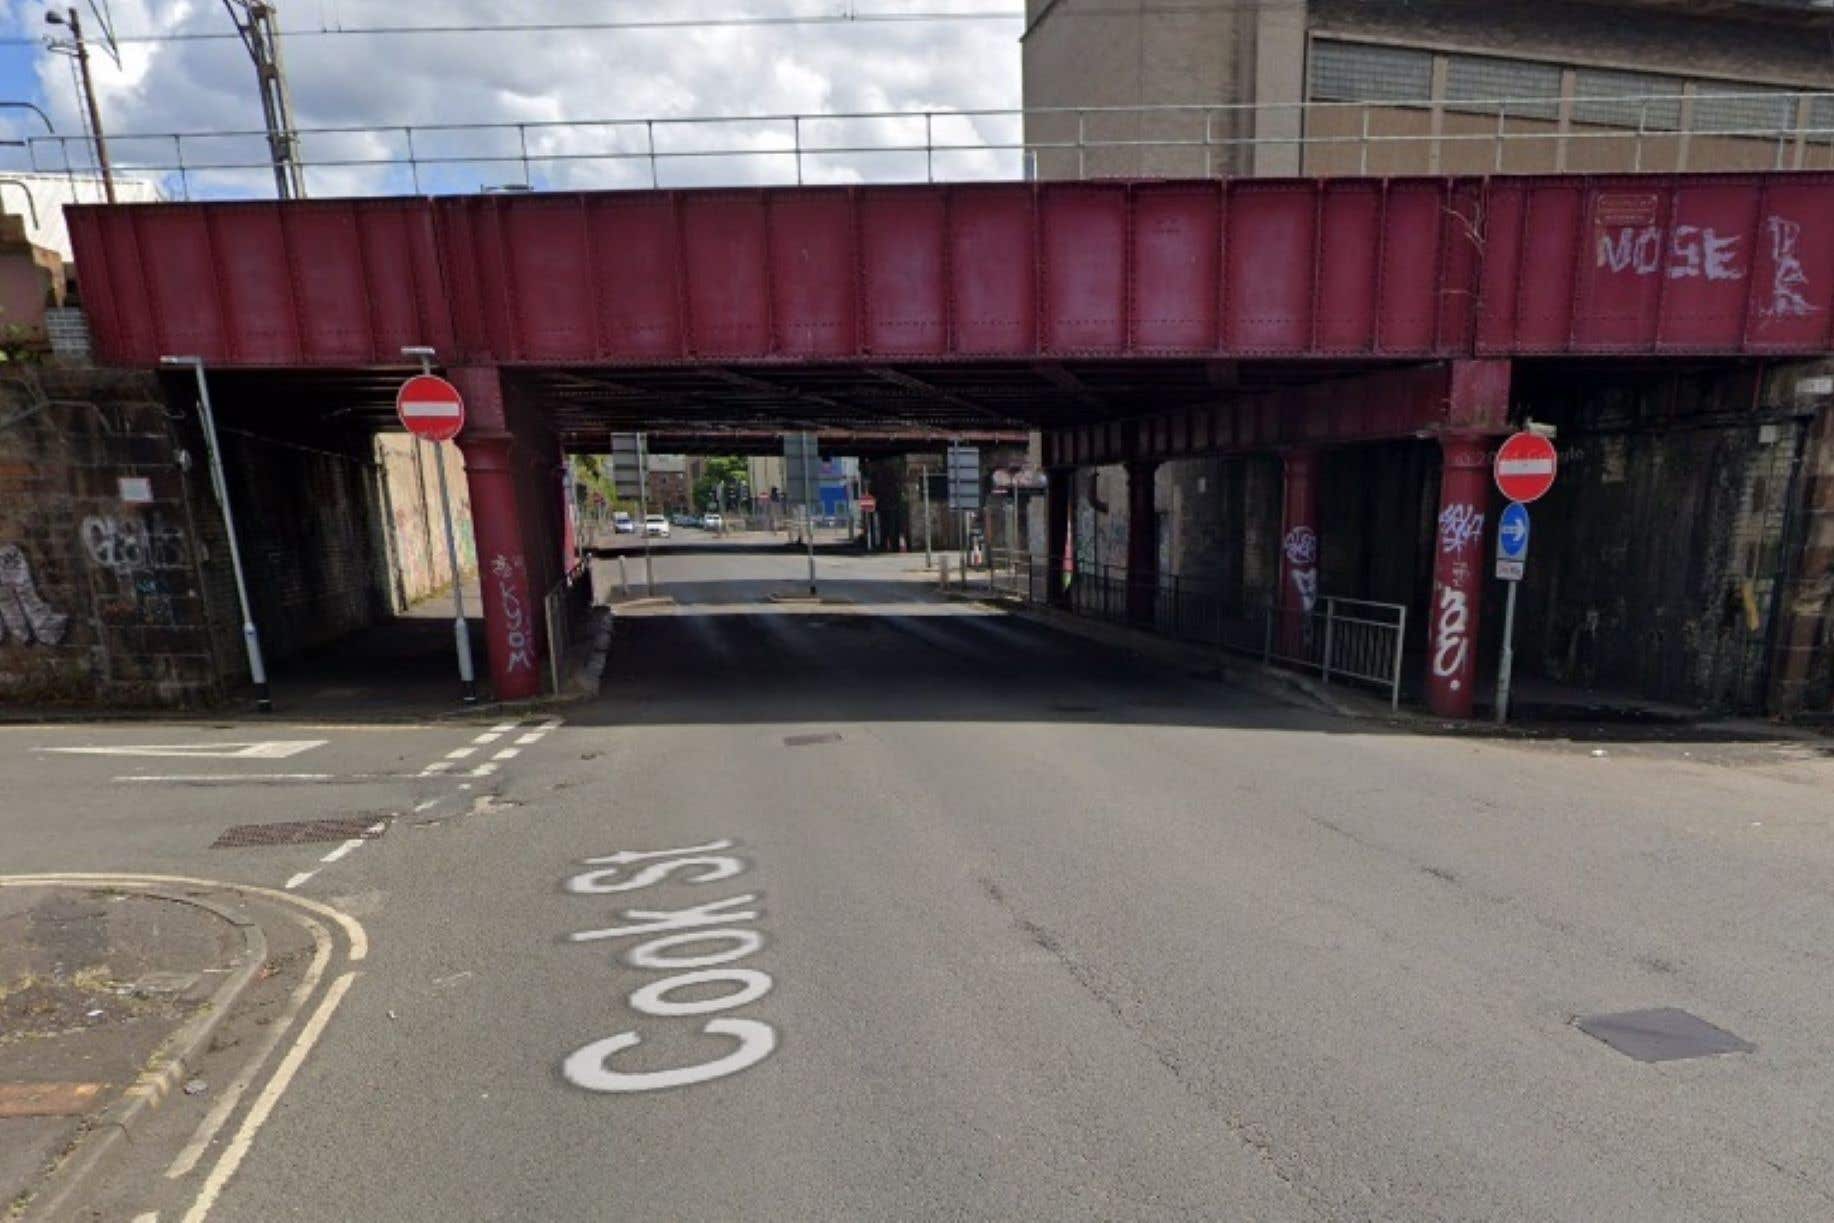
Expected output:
(517, 631)
(128, 545)
(1451, 628)
(1301, 550)
(25, 617)
(1460, 526)
(1687, 252)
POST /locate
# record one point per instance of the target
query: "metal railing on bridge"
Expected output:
(568, 608)
(1359, 640)
(1758, 130)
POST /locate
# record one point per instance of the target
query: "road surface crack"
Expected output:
(1252, 1136)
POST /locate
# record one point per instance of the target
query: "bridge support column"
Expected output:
(1458, 575)
(507, 485)
(1059, 491)
(1298, 590)
(1142, 542)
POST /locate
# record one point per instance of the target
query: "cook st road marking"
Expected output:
(712, 923)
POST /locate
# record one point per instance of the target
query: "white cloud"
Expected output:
(546, 78)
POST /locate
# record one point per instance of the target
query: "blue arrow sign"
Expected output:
(1512, 532)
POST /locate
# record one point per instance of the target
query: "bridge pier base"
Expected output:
(1298, 590)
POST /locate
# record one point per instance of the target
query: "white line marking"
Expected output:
(508, 753)
(341, 850)
(550, 724)
(151, 1216)
(489, 736)
(503, 726)
(459, 753)
(206, 1131)
(376, 829)
(483, 770)
(534, 736)
(438, 766)
(225, 777)
(237, 1150)
(300, 878)
(276, 749)
(422, 806)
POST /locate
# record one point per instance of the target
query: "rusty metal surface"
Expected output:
(1402, 268)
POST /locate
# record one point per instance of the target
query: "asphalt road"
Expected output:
(1035, 930)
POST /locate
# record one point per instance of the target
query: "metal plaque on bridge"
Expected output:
(964, 468)
(627, 464)
(801, 469)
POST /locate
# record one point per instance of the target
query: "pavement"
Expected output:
(898, 908)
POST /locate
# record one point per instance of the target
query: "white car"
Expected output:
(712, 522)
(656, 524)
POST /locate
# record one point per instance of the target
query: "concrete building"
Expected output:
(1283, 87)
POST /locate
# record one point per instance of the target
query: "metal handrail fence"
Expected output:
(568, 608)
(1359, 640)
(929, 146)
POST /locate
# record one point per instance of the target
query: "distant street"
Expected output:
(980, 921)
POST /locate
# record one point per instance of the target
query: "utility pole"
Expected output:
(81, 49)
(257, 23)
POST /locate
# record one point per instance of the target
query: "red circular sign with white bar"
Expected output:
(1525, 467)
(430, 407)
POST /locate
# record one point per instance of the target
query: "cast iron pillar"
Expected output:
(1458, 574)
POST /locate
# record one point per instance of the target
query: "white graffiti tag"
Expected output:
(128, 545)
(24, 615)
(515, 617)
(1301, 546)
(1460, 526)
(1787, 277)
(1692, 251)
(1449, 634)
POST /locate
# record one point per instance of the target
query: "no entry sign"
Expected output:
(1525, 467)
(430, 407)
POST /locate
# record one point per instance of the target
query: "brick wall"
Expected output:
(103, 596)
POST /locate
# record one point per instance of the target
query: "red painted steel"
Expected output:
(1458, 575)
(1402, 268)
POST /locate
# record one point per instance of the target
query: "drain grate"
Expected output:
(300, 832)
(810, 740)
(1663, 1034)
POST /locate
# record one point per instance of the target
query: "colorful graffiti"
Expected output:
(24, 615)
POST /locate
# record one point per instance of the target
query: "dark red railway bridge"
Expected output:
(1129, 321)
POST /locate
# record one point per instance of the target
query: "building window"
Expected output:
(1719, 107)
(1821, 120)
(1523, 88)
(1594, 89)
(1356, 72)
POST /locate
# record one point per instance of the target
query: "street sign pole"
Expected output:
(643, 512)
(461, 632)
(808, 512)
(1507, 663)
(1511, 564)
(929, 560)
(257, 668)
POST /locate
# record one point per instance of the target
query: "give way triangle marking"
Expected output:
(272, 749)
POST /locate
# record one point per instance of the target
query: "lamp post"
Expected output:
(250, 638)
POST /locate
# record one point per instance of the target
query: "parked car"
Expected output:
(622, 524)
(656, 524)
(712, 522)
(683, 520)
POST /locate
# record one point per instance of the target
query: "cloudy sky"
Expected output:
(374, 81)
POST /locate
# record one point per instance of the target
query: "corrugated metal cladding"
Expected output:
(1403, 268)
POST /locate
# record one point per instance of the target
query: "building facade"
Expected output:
(1285, 87)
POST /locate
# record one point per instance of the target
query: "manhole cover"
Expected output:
(810, 740)
(300, 832)
(1663, 1034)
